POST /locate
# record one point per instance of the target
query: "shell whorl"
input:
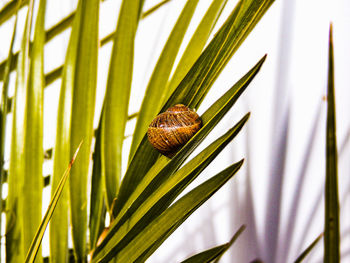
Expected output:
(170, 130)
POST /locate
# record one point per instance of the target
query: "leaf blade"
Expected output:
(83, 108)
(34, 152)
(331, 233)
(115, 112)
(59, 226)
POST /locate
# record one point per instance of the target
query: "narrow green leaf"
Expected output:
(214, 253)
(59, 227)
(34, 247)
(33, 142)
(155, 91)
(157, 191)
(11, 237)
(83, 108)
(97, 204)
(196, 44)
(168, 221)
(138, 169)
(331, 233)
(116, 105)
(14, 238)
(308, 249)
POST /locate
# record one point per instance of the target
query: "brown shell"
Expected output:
(170, 130)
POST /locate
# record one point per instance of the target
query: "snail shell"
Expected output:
(170, 130)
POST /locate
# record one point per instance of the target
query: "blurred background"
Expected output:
(278, 194)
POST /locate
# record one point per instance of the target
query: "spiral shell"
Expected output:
(170, 130)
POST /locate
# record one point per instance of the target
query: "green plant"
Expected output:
(148, 203)
(140, 207)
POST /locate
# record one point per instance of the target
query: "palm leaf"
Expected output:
(97, 204)
(331, 233)
(156, 197)
(83, 108)
(138, 169)
(154, 234)
(12, 204)
(115, 112)
(14, 238)
(198, 80)
(33, 143)
(59, 226)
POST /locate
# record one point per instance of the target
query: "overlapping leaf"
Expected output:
(210, 118)
(147, 241)
(151, 198)
(198, 80)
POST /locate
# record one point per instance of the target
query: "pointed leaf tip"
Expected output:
(77, 150)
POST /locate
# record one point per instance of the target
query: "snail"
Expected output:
(170, 130)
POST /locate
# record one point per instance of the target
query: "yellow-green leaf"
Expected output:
(16, 245)
(33, 142)
(115, 113)
(83, 109)
(13, 241)
(59, 223)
